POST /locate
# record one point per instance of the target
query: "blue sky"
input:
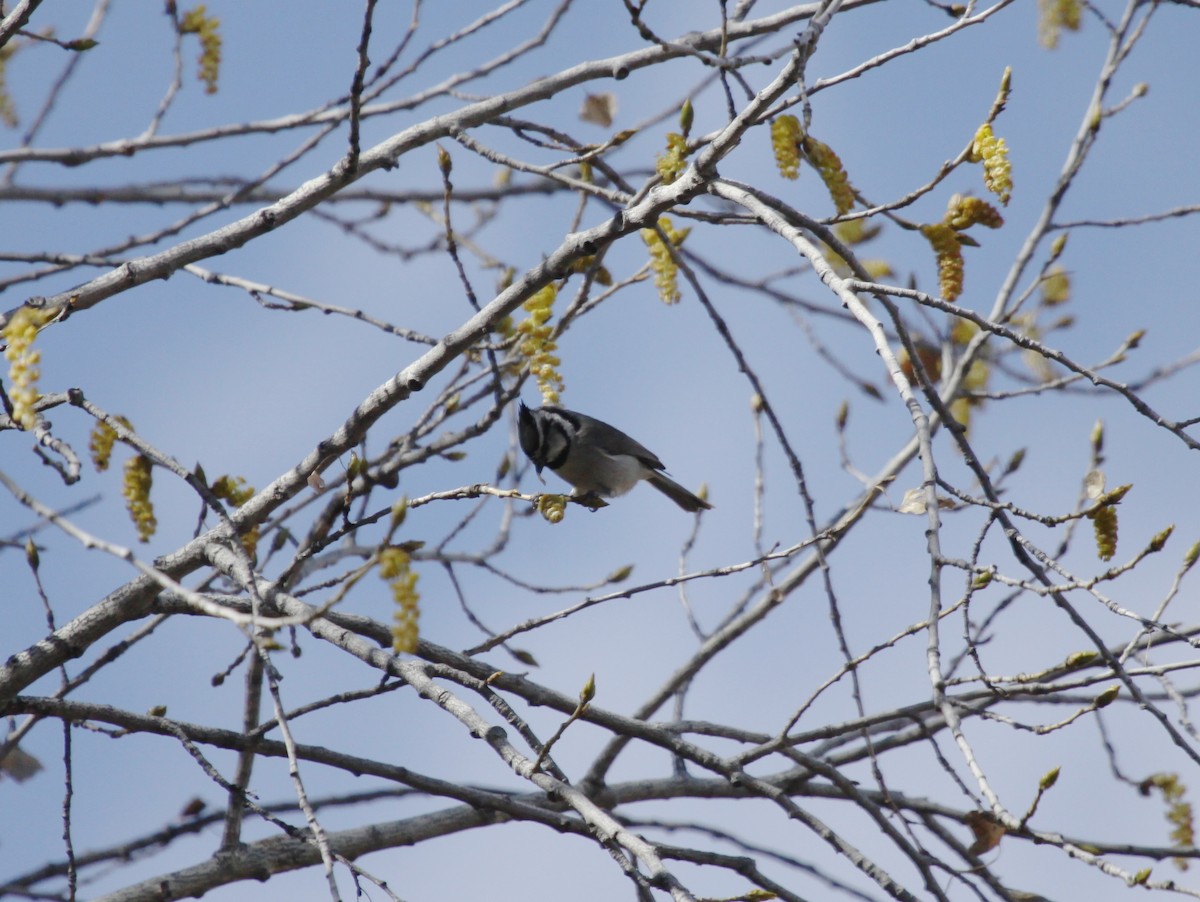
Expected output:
(207, 374)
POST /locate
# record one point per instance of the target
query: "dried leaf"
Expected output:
(19, 765)
(599, 109)
(914, 502)
(193, 808)
(988, 831)
(524, 657)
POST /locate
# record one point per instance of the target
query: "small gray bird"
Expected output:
(597, 459)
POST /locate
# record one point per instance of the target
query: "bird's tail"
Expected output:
(677, 493)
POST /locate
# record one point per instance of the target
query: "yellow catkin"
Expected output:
(857, 231)
(552, 507)
(964, 211)
(1054, 16)
(662, 264)
(234, 490)
(537, 345)
(788, 140)
(960, 409)
(944, 241)
(1104, 522)
(1056, 287)
(878, 269)
(198, 22)
(671, 164)
(975, 381)
(8, 109)
(24, 362)
(139, 476)
(585, 264)
(833, 174)
(785, 142)
(997, 171)
(100, 445)
(395, 566)
(1179, 811)
(102, 440)
(963, 331)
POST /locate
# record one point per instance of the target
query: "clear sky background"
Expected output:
(208, 375)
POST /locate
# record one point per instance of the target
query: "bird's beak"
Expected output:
(538, 468)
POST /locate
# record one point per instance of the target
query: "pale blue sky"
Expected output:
(205, 373)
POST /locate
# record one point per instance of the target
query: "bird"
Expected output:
(599, 460)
